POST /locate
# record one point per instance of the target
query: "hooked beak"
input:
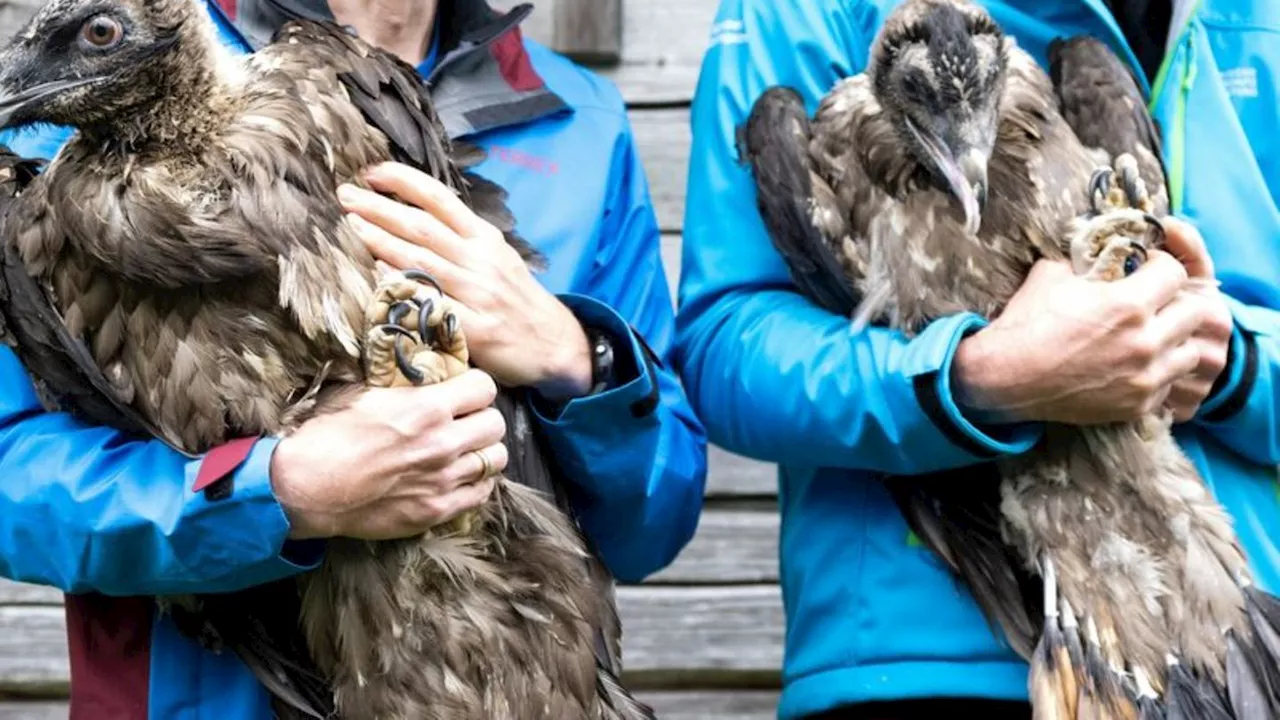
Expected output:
(964, 170)
(12, 104)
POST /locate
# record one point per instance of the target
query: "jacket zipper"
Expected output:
(1175, 142)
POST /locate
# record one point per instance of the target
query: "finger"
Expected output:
(1177, 365)
(1155, 283)
(466, 497)
(428, 193)
(406, 222)
(1186, 244)
(463, 394)
(470, 468)
(392, 252)
(1176, 323)
(478, 430)
(1186, 397)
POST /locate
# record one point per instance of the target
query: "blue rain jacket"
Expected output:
(89, 511)
(870, 614)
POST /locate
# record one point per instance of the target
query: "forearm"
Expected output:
(635, 455)
(87, 509)
(779, 379)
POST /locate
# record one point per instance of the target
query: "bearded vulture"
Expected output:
(929, 185)
(182, 269)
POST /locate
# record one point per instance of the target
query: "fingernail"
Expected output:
(347, 193)
(357, 222)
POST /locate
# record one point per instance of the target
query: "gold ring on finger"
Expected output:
(486, 466)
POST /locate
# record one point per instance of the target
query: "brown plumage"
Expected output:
(929, 185)
(183, 268)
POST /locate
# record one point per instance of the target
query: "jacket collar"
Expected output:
(483, 78)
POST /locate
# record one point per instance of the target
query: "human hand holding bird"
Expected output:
(417, 465)
(516, 329)
(1112, 352)
(1212, 338)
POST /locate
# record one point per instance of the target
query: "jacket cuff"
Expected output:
(931, 381)
(634, 394)
(1230, 392)
(231, 486)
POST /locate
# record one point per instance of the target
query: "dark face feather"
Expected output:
(939, 75)
(83, 62)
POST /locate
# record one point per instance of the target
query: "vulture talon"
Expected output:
(425, 331)
(1099, 188)
(411, 373)
(397, 312)
(392, 329)
(423, 277)
(1158, 227)
(450, 328)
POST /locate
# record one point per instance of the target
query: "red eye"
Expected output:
(101, 31)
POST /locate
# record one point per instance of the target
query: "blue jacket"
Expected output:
(871, 615)
(89, 511)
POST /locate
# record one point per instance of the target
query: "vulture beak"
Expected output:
(963, 171)
(12, 104)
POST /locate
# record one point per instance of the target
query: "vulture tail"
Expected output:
(1190, 698)
(1253, 663)
(774, 143)
(956, 514)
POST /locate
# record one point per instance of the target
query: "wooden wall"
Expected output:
(703, 637)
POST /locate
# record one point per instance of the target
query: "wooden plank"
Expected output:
(730, 546)
(662, 139)
(661, 50)
(733, 475)
(33, 649)
(707, 704)
(13, 14)
(53, 710)
(671, 634)
(589, 31)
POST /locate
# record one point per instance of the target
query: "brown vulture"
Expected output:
(929, 184)
(182, 269)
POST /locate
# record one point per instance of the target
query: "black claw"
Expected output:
(424, 315)
(1158, 226)
(397, 312)
(413, 374)
(1136, 259)
(391, 329)
(450, 328)
(420, 276)
(1099, 185)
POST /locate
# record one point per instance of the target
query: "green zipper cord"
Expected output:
(1176, 137)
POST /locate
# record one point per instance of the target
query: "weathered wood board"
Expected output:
(684, 633)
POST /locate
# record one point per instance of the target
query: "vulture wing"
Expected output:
(790, 194)
(1100, 99)
(68, 379)
(393, 98)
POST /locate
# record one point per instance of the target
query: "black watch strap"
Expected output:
(603, 368)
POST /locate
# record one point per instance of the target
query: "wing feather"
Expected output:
(774, 142)
(1099, 97)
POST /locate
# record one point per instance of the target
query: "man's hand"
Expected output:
(1077, 351)
(1213, 337)
(515, 329)
(395, 463)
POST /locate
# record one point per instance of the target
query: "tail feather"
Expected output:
(1188, 699)
(956, 514)
(1250, 697)
(619, 700)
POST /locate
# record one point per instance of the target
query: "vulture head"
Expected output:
(938, 71)
(88, 63)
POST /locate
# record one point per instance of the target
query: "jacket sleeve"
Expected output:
(772, 375)
(635, 451)
(85, 509)
(1243, 410)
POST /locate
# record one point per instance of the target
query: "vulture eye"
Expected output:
(101, 32)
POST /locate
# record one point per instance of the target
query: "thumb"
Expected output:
(1183, 241)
